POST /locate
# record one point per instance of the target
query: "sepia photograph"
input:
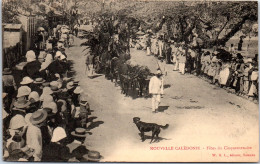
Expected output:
(130, 81)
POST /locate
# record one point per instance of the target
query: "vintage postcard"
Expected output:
(130, 81)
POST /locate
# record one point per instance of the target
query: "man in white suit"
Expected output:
(156, 89)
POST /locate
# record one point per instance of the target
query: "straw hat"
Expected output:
(46, 84)
(79, 132)
(39, 80)
(26, 80)
(78, 90)
(23, 91)
(17, 122)
(35, 96)
(93, 156)
(21, 103)
(67, 78)
(83, 100)
(38, 117)
(58, 134)
(55, 86)
(69, 85)
(7, 71)
(49, 112)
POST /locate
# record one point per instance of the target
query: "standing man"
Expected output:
(89, 64)
(148, 43)
(156, 89)
(160, 45)
(9, 86)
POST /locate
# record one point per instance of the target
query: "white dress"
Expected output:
(223, 75)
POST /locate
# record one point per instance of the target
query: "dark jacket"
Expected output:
(31, 69)
(54, 152)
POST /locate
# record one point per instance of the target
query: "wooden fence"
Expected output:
(12, 55)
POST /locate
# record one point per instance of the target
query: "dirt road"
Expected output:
(199, 114)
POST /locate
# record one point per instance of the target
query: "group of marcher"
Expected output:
(232, 71)
(45, 113)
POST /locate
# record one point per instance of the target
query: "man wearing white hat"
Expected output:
(16, 130)
(32, 66)
(34, 99)
(23, 91)
(76, 95)
(156, 89)
(30, 56)
(56, 151)
(46, 91)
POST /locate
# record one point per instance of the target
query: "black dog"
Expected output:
(147, 127)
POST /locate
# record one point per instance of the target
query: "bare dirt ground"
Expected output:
(199, 115)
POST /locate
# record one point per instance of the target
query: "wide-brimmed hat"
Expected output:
(70, 85)
(34, 95)
(47, 90)
(47, 98)
(38, 117)
(62, 57)
(58, 134)
(42, 54)
(93, 156)
(30, 56)
(52, 106)
(67, 78)
(78, 90)
(48, 57)
(21, 103)
(76, 83)
(46, 84)
(7, 71)
(49, 112)
(39, 80)
(17, 122)
(26, 80)
(55, 86)
(83, 100)
(23, 91)
(79, 132)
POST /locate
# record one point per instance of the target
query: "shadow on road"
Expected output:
(166, 86)
(155, 139)
(94, 124)
(95, 76)
(90, 119)
(162, 108)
